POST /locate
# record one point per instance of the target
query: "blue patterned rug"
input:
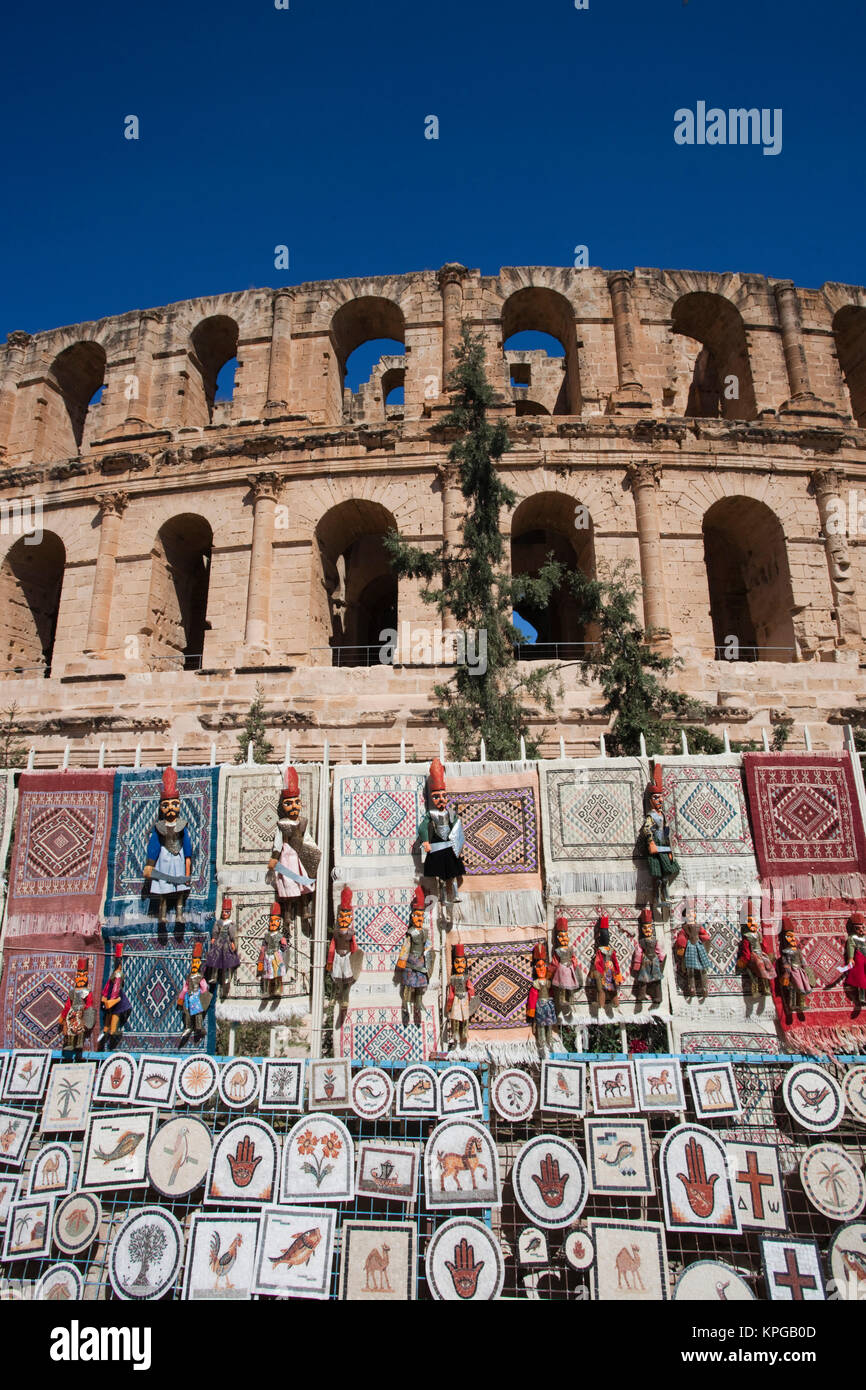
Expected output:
(154, 969)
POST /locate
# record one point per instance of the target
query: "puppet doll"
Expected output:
(855, 959)
(752, 959)
(540, 1009)
(78, 1014)
(796, 979)
(460, 991)
(271, 968)
(660, 858)
(605, 966)
(566, 977)
(691, 954)
(440, 834)
(344, 958)
(648, 960)
(294, 858)
(195, 997)
(222, 959)
(115, 1004)
(168, 862)
(415, 958)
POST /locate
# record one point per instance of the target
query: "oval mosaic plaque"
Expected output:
(710, 1281)
(239, 1083)
(146, 1254)
(855, 1093)
(847, 1257)
(550, 1181)
(372, 1093)
(833, 1181)
(62, 1284)
(578, 1249)
(813, 1098)
(513, 1094)
(197, 1079)
(179, 1156)
(76, 1222)
(464, 1263)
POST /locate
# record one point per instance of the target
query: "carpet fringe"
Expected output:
(519, 907)
(502, 1054)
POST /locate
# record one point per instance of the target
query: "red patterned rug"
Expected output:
(60, 853)
(808, 830)
(831, 1023)
(37, 976)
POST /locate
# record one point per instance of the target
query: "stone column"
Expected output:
(138, 407)
(802, 400)
(630, 394)
(16, 346)
(279, 367)
(644, 478)
(451, 286)
(265, 489)
(111, 505)
(826, 486)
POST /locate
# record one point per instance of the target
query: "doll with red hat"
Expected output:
(416, 958)
(855, 958)
(753, 963)
(605, 966)
(648, 960)
(115, 1004)
(78, 1014)
(168, 862)
(691, 953)
(796, 978)
(565, 978)
(271, 968)
(344, 959)
(440, 835)
(460, 993)
(195, 997)
(294, 857)
(661, 863)
(540, 1009)
(222, 959)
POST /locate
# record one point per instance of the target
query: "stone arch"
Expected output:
(213, 343)
(31, 582)
(713, 350)
(536, 308)
(749, 581)
(357, 582)
(543, 523)
(849, 332)
(177, 621)
(366, 319)
(76, 374)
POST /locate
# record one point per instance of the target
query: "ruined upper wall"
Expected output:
(654, 342)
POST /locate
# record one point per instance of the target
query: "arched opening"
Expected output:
(541, 525)
(712, 359)
(78, 373)
(749, 581)
(179, 580)
(849, 331)
(539, 342)
(369, 340)
(31, 582)
(214, 346)
(360, 586)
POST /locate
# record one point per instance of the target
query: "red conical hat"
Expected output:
(118, 950)
(291, 786)
(436, 779)
(197, 951)
(856, 919)
(787, 924)
(419, 902)
(276, 910)
(346, 899)
(539, 951)
(169, 783)
(82, 964)
(604, 922)
(646, 915)
(561, 923)
(227, 904)
(459, 951)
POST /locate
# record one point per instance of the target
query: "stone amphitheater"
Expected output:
(163, 549)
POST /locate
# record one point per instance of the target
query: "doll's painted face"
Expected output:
(417, 918)
(541, 970)
(647, 930)
(562, 939)
(275, 921)
(790, 938)
(290, 807)
(195, 967)
(459, 966)
(656, 801)
(439, 800)
(169, 807)
(81, 979)
(226, 913)
(344, 919)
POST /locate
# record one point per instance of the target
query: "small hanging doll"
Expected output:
(855, 960)
(294, 858)
(753, 961)
(540, 1009)
(605, 966)
(78, 1014)
(566, 977)
(796, 978)
(662, 866)
(460, 991)
(271, 968)
(115, 1004)
(195, 997)
(440, 835)
(692, 955)
(648, 960)
(415, 959)
(344, 958)
(222, 959)
(168, 863)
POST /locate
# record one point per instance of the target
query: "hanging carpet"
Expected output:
(38, 975)
(591, 815)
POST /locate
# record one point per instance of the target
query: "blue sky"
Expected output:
(305, 126)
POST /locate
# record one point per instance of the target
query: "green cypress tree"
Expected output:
(483, 698)
(255, 731)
